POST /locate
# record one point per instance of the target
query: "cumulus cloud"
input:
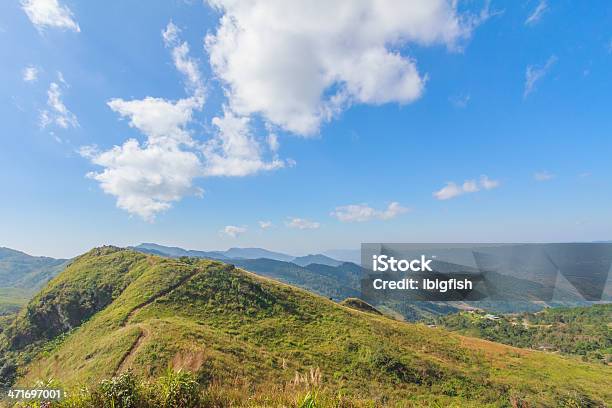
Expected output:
(30, 73)
(452, 189)
(535, 73)
(537, 13)
(363, 212)
(543, 176)
(49, 14)
(301, 223)
(233, 231)
(295, 65)
(57, 113)
(146, 178)
(265, 224)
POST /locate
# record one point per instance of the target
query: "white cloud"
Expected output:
(265, 224)
(487, 183)
(298, 67)
(163, 121)
(233, 231)
(57, 112)
(543, 176)
(185, 64)
(145, 179)
(537, 13)
(171, 34)
(470, 186)
(30, 73)
(49, 14)
(234, 151)
(452, 189)
(363, 212)
(534, 73)
(301, 223)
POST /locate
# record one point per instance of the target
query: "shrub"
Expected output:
(118, 392)
(179, 389)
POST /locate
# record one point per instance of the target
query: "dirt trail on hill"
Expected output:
(128, 358)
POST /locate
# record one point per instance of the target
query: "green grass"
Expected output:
(248, 340)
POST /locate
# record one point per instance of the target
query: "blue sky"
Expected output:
(334, 129)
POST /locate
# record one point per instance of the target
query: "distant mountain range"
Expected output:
(238, 253)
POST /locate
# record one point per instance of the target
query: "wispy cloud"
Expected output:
(30, 73)
(265, 224)
(49, 14)
(533, 74)
(543, 176)
(460, 101)
(363, 212)
(57, 113)
(301, 223)
(452, 189)
(537, 13)
(233, 231)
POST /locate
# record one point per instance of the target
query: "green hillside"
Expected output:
(22, 275)
(251, 341)
(336, 282)
(582, 331)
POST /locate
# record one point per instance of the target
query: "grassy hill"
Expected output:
(582, 331)
(21, 275)
(251, 341)
(336, 282)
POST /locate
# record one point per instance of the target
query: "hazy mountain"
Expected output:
(178, 252)
(232, 253)
(21, 275)
(254, 253)
(316, 259)
(18, 269)
(121, 312)
(346, 255)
